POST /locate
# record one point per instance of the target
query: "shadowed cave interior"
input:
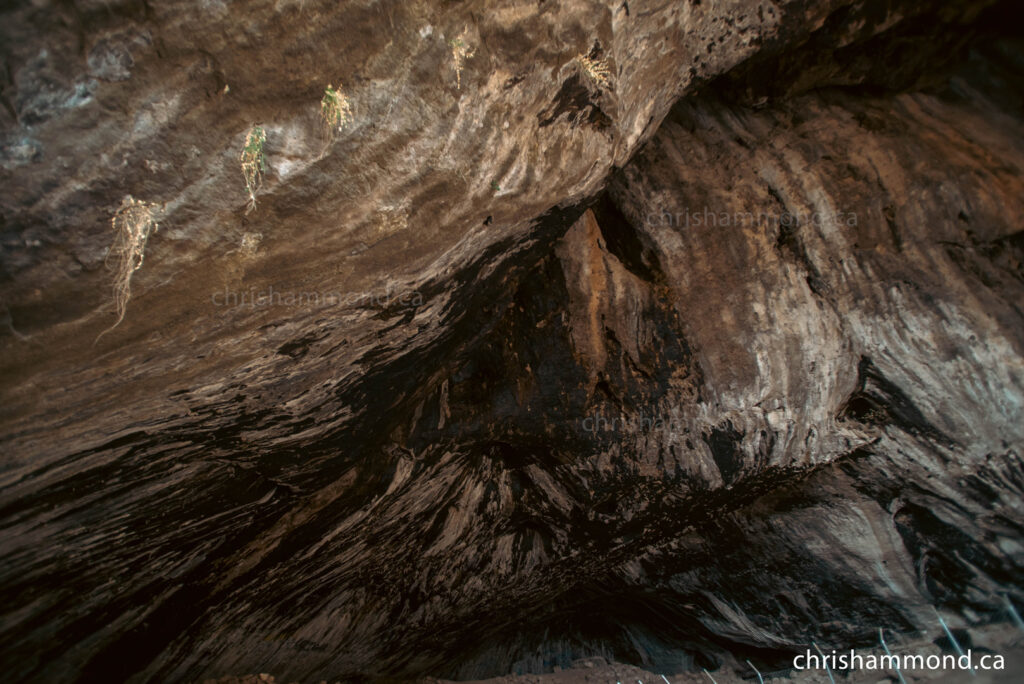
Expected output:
(682, 369)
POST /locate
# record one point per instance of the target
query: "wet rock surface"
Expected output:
(701, 364)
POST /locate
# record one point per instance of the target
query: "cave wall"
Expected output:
(564, 417)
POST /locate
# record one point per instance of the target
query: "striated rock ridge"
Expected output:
(703, 364)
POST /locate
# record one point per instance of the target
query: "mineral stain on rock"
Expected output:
(669, 337)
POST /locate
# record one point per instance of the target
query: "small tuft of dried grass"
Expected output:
(133, 223)
(461, 51)
(254, 163)
(596, 70)
(335, 112)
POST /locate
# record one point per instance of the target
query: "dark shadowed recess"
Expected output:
(918, 53)
(385, 394)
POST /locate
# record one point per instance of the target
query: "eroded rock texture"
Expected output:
(677, 382)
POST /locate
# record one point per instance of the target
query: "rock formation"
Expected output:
(672, 333)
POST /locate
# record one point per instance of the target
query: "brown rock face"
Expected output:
(674, 334)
